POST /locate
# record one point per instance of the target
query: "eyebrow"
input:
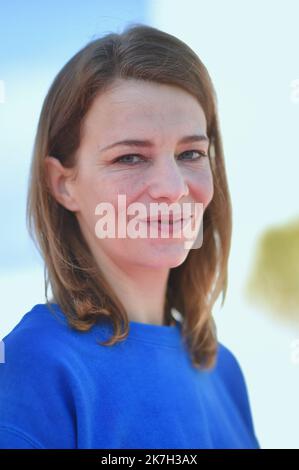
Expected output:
(149, 144)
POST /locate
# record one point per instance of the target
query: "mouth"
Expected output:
(165, 220)
(172, 227)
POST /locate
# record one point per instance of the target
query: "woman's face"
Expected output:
(166, 170)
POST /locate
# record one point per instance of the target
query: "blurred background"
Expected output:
(251, 52)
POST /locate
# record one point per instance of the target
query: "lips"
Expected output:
(165, 222)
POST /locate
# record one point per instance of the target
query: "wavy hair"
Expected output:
(78, 286)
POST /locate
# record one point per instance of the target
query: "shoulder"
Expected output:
(39, 332)
(232, 377)
(229, 368)
(37, 349)
(39, 317)
(37, 385)
(227, 359)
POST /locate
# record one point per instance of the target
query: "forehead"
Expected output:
(135, 106)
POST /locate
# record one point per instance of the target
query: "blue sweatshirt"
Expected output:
(60, 389)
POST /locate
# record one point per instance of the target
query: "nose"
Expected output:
(168, 181)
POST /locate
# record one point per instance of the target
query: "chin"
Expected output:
(164, 259)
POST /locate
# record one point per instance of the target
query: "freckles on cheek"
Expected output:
(131, 187)
(201, 187)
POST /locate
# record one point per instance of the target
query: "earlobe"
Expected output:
(58, 180)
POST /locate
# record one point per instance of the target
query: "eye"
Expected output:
(200, 153)
(128, 158)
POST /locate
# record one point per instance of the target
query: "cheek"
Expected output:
(89, 196)
(202, 187)
(93, 187)
(92, 190)
(131, 186)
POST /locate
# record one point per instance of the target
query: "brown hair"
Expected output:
(145, 53)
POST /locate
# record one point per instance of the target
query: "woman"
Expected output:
(125, 354)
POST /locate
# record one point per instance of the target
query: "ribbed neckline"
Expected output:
(156, 334)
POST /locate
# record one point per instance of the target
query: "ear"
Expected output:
(59, 180)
